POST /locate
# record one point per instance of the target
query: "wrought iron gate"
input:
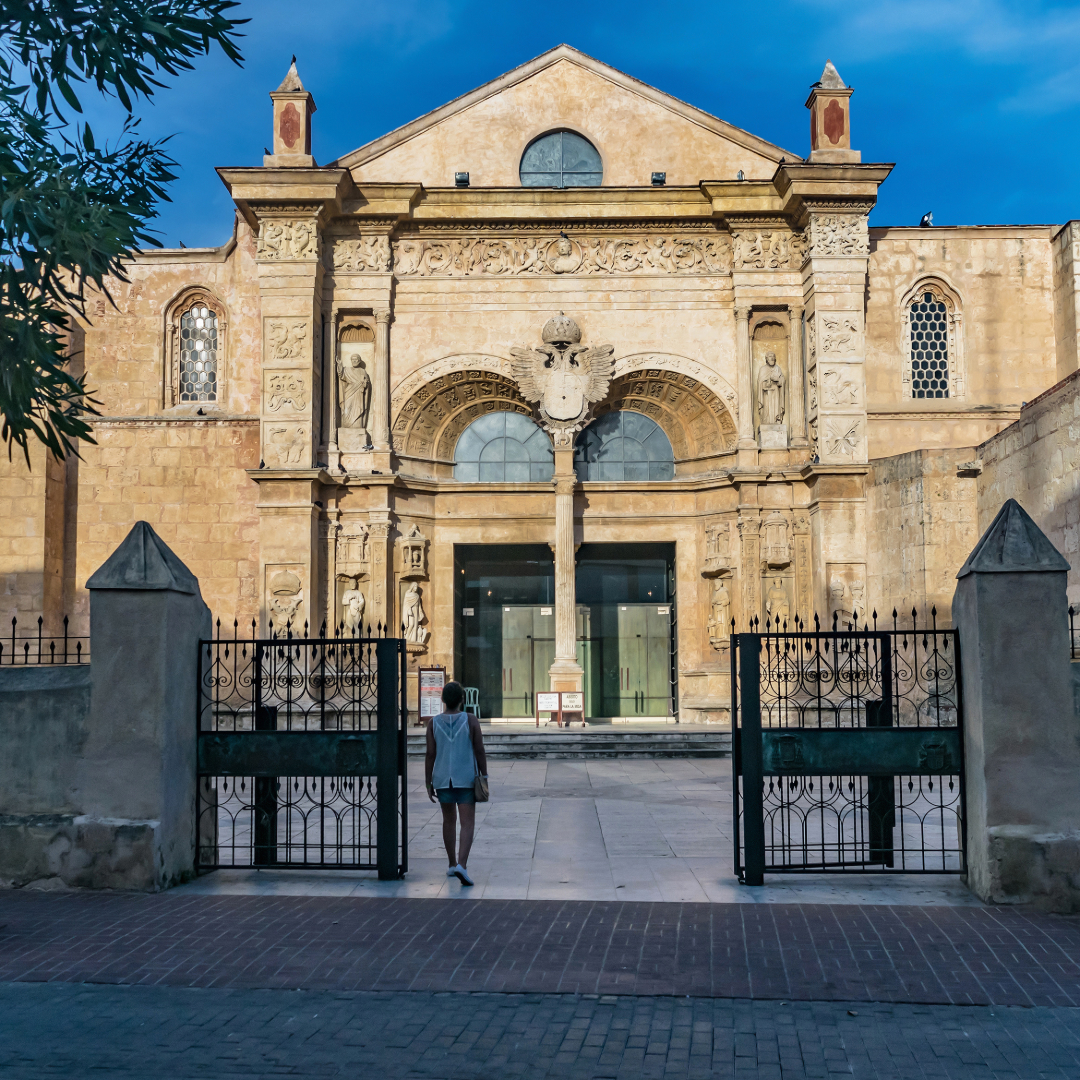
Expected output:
(847, 751)
(302, 754)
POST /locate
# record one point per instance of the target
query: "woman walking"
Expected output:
(455, 758)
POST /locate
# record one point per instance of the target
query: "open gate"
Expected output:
(847, 751)
(302, 754)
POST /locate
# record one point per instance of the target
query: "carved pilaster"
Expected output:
(796, 364)
(382, 571)
(804, 580)
(749, 564)
(746, 394)
(380, 396)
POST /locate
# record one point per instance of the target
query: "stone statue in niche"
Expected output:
(720, 617)
(352, 610)
(354, 389)
(771, 391)
(777, 605)
(285, 595)
(412, 616)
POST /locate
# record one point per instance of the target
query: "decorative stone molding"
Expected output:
(774, 248)
(473, 256)
(839, 234)
(287, 238)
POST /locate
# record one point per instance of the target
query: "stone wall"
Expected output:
(1035, 461)
(1067, 298)
(922, 522)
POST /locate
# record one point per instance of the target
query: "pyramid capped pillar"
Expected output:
(1021, 753)
(293, 107)
(830, 120)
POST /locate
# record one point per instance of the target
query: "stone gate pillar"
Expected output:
(136, 772)
(1021, 731)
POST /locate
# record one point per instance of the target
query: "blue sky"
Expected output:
(977, 101)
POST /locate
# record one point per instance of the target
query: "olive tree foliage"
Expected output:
(72, 207)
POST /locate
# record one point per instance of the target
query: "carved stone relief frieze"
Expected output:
(840, 334)
(512, 256)
(768, 249)
(840, 387)
(846, 583)
(287, 238)
(286, 339)
(812, 394)
(839, 234)
(285, 599)
(842, 438)
(360, 254)
(285, 391)
(286, 445)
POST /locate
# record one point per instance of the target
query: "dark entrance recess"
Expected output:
(505, 627)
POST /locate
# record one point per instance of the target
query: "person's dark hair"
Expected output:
(453, 694)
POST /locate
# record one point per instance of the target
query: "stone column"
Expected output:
(796, 410)
(747, 440)
(136, 770)
(749, 525)
(380, 391)
(383, 604)
(565, 672)
(1021, 753)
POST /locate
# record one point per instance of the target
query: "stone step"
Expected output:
(596, 744)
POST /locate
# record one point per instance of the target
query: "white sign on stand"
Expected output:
(547, 702)
(432, 681)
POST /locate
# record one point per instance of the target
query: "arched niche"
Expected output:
(427, 425)
(695, 420)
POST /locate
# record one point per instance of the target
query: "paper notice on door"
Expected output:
(545, 611)
(664, 609)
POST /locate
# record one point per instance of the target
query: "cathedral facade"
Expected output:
(559, 381)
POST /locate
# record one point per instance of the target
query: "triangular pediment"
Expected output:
(636, 128)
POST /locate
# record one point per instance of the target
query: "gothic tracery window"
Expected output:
(928, 322)
(198, 367)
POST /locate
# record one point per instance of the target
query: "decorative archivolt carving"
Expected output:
(456, 368)
(694, 419)
(287, 238)
(683, 365)
(522, 255)
(839, 234)
(768, 249)
(362, 254)
(428, 423)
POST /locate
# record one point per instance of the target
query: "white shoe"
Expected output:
(463, 875)
(451, 872)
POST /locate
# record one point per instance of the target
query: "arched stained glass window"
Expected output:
(503, 447)
(198, 354)
(561, 159)
(624, 446)
(929, 320)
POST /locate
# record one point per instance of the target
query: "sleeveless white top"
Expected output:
(455, 762)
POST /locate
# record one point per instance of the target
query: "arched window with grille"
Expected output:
(932, 343)
(503, 447)
(621, 446)
(196, 331)
(561, 159)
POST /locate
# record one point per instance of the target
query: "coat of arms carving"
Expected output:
(564, 377)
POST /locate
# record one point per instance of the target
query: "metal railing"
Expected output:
(1074, 644)
(37, 647)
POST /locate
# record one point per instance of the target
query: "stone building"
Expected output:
(562, 377)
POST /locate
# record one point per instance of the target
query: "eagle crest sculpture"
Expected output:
(563, 377)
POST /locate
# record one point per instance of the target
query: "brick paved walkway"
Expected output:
(943, 955)
(83, 1031)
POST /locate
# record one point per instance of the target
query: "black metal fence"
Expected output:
(1074, 641)
(847, 750)
(34, 646)
(301, 753)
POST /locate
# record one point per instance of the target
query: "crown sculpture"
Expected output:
(563, 377)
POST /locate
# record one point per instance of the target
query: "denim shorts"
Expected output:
(456, 795)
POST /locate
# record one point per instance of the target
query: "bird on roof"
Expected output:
(927, 219)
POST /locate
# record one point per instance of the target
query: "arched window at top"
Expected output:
(198, 376)
(503, 447)
(624, 445)
(561, 159)
(928, 328)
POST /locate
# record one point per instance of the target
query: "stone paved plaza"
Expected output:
(649, 830)
(83, 1031)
